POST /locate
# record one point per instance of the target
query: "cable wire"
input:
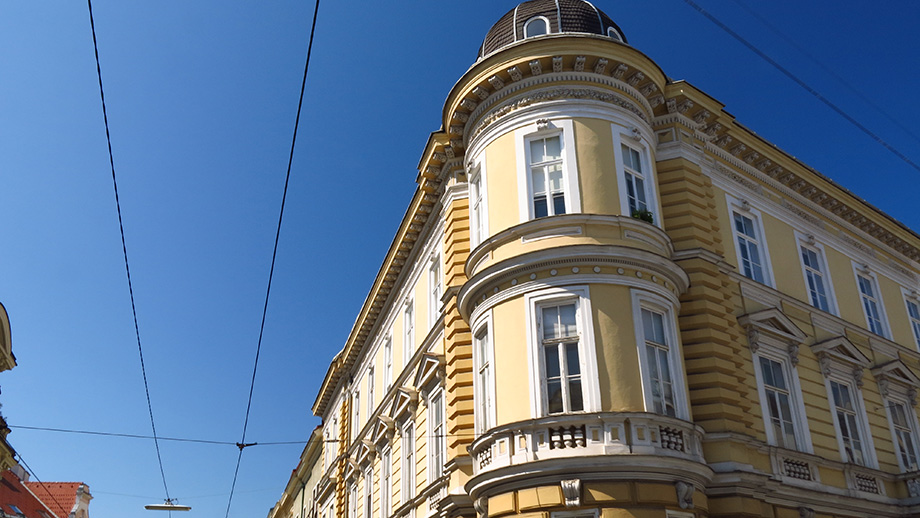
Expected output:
(124, 247)
(160, 437)
(803, 84)
(29, 469)
(271, 271)
(865, 98)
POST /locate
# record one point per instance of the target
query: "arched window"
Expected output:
(614, 34)
(536, 26)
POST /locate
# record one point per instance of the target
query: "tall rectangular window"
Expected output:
(750, 247)
(484, 379)
(477, 209)
(408, 462)
(559, 338)
(436, 440)
(434, 284)
(409, 328)
(658, 362)
(901, 421)
(814, 276)
(778, 405)
(369, 493)
(636, 196)
(352, 500)
(913, 314)
(386, 483)
(355, 413)
(388, 363)
(548, 191)
(868, 293)
(845, 411)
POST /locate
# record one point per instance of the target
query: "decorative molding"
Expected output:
(571, 490)
(600, 66)
(482, 93)
(481, 506)
(557, 63)
(684, 494)
(619, 71)
(806, 512)
(515, 73)
(635, 79)
(496, 82)
(579, 64)
(535, 67)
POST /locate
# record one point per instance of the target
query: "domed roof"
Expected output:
(538, 17)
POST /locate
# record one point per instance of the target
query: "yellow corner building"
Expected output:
(607, 299)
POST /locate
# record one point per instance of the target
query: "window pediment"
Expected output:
(773, 323)
(841, 349)
(897, 377)
(366, 451)
(383, 430)
(429, 370)
(406, 403)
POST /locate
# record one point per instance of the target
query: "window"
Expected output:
(557, 327)
(478, 222)
(409, 327)
(355, 413)
(658, 356)
(751, 259)
(369, 493)
(352, 500)
(547, 169)
(330, 443)
(636, 194)
(913, 314)
(903, 425)
(482, 355)
(778, 407)
(536, 26)
(817, 281)
(388, 363)
(848, 424)
(614, 34)
(436, 439)
(408, 462)
(434, 283)
(871, 300)
(370, 391)
(548, 197)
(386, 483)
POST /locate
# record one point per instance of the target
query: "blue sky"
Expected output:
(201, 98)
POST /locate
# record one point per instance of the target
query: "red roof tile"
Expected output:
(60, 497)
(14, 493)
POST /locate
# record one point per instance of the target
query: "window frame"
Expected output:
(549, 27)
(356, 411)
(616, 34)
(352, 492)
(388, 361)
(370, 391)
(743, 208)
(775, 351)
(805, 241)
(902, 399)
(621, 138)
(863, 271)
(587, 349)
(484, 392)
(407, 467)
(437, 442)
(657, 304)
(912, 298)
(408, 330)
(435, 288)
(386, 481)
(479, 203)
(843, 374)
(571, 189)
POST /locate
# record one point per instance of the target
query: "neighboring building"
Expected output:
(608, 298)
(66, 499)
(7, 362)
(298, 499)
(18, 501)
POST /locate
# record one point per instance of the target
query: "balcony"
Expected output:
(598, 434)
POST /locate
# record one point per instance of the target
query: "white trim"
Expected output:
(744, 209)
(388, 369)
(616, 34)
(484, 323)
(587, 348)
(479, 220)
(582, 513)
(369, 492)
(386, 482)
(900, 397)
(435, 280)
(408, 467)
(797, 405)
(679, 514)
(862, 423)
(549, 26)
(808, 241)
(409, 340)
(623, 136)
(435, 471)
(910, 296)
(646, 300)
(861, 271)
(571, 191)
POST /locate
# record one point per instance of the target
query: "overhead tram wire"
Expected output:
(865, 98)
(42, 484)
(124, 247)
(802, 84)
(242, 444)
(161, 438)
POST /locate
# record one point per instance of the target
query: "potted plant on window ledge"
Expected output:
(644, 215)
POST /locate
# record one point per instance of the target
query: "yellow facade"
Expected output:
(608, 299)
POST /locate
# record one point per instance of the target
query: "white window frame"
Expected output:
(587, 351)
(369, 492)
(571, 190)
(658, 304)
(776, 351)
(866, 273)
(613, 33)
(808, 242)
(743, 208)
(353, 499)
(437, 442)
(549, 27)
(583, 513)
(842, 373)
(435, 288)
(407, 467)
(898, 397)
(386, 482)
(479, 202)
(911, 297)
(356, 411)
(388, 362)
(408, 330)
(621, 137)
(370, 391)
(484, 362)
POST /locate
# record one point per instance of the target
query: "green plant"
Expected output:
(644, 215)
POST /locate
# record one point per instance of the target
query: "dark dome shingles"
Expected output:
(578, 16)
